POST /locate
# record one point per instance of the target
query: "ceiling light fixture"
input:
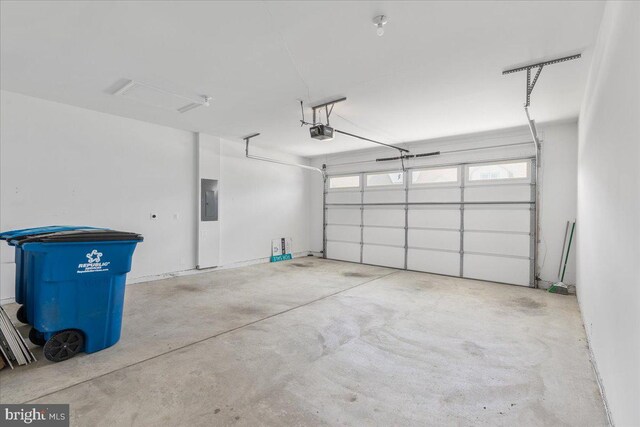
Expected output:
(380, 21)
(152, 95)
(205, 103)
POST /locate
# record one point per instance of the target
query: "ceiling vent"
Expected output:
(161, 98)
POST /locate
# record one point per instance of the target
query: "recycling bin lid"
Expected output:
(25, 232)
(89, 235)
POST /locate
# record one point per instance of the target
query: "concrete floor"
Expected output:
(317, 342)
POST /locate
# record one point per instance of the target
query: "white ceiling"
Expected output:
(436, 71)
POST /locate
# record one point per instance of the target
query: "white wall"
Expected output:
(61, 164)
(558, 184)
(66, 165)
(609, 210)
(208, 254)
(260, 201)
(557, 179)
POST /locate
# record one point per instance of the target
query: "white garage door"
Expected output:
(467, 220)
(343, 222)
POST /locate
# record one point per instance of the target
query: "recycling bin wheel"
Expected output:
(64, 345)
(21, 314)
(36, 337)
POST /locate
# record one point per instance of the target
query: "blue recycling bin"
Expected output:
(15, 236)
(75, 282)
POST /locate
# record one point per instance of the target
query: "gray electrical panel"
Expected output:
(208, 200)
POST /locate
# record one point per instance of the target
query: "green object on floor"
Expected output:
(283, 257)
(559, 287)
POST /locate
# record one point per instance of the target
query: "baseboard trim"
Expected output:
(192, 271)
(594, 366)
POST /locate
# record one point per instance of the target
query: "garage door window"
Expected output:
(499, 171)
(338, 182)
(385, 179)
(434, 176)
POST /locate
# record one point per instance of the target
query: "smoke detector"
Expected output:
(380, 21)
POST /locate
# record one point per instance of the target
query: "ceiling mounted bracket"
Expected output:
(246, 141)
(539, 66)
(326, 106)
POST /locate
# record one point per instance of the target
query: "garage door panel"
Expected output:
(386, 256)
(344, 197)
(497, 243)
(497, 230)
(498, 218)
(384, 236)
(343, 251)
(434, 194)
(434, 239)
(343, 216)
(498, 193)
(384, 196)
(434, 217)
(383, 216)
(434, 261)
(346, 233)
(497, 269)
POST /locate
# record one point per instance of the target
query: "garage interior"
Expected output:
(354, 213)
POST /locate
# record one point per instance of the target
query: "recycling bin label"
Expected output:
(94, 263)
